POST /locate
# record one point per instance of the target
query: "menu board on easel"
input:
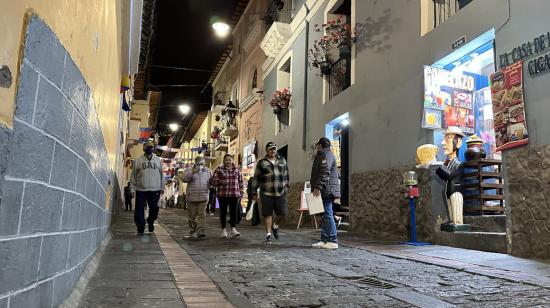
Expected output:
(508, 107)
(448, 99)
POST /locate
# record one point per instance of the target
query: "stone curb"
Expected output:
(187, 267)
(230, 292)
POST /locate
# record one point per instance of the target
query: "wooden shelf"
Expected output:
(485, 208)
(479, 181)
(484, 186)
(484, 197)
(483, 174)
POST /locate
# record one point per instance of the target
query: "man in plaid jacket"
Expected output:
(271, 176)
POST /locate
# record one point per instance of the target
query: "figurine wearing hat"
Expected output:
(451, 173)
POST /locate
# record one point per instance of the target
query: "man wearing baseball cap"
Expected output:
(325, 183)
(271, 176)
(148, 181)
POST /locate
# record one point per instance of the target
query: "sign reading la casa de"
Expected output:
(536, 46)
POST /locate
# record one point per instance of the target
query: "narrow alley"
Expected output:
(274, 153)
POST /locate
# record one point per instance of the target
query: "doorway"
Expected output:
(338, 131)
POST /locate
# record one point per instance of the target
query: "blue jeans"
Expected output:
(328, 226)
(152, 198)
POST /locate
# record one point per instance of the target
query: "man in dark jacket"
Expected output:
(128, 196)
(325, 183)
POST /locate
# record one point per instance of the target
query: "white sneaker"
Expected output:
(234, 232)
(224, 233)
(318, 244)
(329, 245)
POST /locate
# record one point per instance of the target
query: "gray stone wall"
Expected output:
(53, 212)
(379, 209)
(527, 181)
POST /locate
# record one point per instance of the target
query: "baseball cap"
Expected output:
(270, 145)
(324, 142)
(147, 145)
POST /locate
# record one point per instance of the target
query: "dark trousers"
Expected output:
(211, 207)
(152, 198)
(128, 202)
(231, 203)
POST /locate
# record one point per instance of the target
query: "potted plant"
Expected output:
(341, 35)
(215, 134)
(318, 55)
(338, 35)
(280, 100)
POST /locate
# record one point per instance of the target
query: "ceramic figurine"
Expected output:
(452, 173)
(475, 149)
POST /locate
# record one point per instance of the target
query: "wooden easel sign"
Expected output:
(304, 206)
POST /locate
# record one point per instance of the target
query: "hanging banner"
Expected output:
(448, 100)
(145, 134)
(172, 150)
(508, 107)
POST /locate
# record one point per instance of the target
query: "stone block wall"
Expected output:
(54, 175)
(379, 210)
(527, 181)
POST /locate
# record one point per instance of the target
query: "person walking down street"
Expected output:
(229, 184)
(212, 201)
(148, 181)
(128, 196)
(271, 176)
(197, 178)
(181, 187)
(255, 211)
(325, 183)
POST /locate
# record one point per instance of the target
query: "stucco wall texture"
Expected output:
(55, 205)
(90, 31)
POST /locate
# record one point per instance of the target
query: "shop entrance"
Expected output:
(458, 93)
(337, 131)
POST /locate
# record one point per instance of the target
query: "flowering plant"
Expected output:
(338, 34)
(215, 134)
(280, 99)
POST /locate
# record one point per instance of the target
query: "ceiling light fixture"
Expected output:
(221, 29)
(173, 127)
(185, 109)
(344, 123)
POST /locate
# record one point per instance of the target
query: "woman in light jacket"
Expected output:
(197, 178)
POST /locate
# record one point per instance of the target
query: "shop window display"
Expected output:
(458, 93)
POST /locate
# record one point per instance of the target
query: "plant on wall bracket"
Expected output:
(280, 100)
(338, 35)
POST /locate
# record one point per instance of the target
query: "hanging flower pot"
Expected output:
(276, 109)
(326, 67)
(344, 51)
(284, 104)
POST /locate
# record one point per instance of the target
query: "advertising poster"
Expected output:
(448, 100)
(508, 107)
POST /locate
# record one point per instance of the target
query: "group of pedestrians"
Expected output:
(268, 186)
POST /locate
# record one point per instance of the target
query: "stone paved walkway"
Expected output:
(148, 271)
(360, 274)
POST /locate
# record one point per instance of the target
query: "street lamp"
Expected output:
(173, 126)
(185, 109)
(221, 29)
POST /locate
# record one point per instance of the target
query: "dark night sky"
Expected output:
(184, 38)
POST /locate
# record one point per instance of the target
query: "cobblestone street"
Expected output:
(291, 274)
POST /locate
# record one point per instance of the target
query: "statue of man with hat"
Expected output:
(452, 173)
